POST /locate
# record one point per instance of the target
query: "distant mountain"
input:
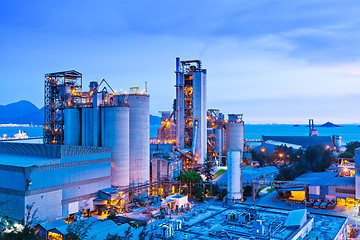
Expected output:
(24, 112)
(329, 124)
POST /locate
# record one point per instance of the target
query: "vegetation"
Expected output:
(28, 232)
(316, 159)
(350, 150)
(219, 173)
(208, 166)
(188, 177)
(199, 193)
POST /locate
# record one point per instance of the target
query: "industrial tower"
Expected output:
(190, 108)
(62, 90)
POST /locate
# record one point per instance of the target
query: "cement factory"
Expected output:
(98, 159)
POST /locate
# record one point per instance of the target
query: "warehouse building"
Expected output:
(56, 181)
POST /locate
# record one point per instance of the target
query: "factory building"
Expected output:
(57, 180)
(190, 114)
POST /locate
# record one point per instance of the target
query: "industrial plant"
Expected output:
(97, 161)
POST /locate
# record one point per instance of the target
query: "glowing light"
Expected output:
(262, 150)
(281, 155)
(327, 147)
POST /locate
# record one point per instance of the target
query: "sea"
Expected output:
(349, 133)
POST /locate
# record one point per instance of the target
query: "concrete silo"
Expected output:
(235, 151)
(72, 126)
(234, 188)
(139, 129)
(87, 126)
(115, 134)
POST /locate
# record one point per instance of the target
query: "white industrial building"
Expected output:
(55, 180)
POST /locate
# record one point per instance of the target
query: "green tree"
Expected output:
(351, 146)
(318, 158)
(28, 233)
(208, 166)
(193, 176)
(199, 193)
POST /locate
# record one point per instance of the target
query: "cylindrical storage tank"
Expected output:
(235, 136)
(87, 126)
(218, 141)
(234, 188)
(115, 134)
(72, 126)
(139, 117)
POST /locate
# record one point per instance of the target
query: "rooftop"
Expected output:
(317, 178)
(23, 160)
(337, 181)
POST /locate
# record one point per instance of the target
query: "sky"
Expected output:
(274, 61)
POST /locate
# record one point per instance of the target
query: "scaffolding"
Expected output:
(62, 90)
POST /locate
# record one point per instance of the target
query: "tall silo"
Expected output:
(234, 188)
(87, 126)
(218, 141)
(115, 134)
(235, 133)
(235, 151)
(139, 105)
(72, 126)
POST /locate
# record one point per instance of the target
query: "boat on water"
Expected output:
(19, 135)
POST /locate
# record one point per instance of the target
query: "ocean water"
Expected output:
(349, 133)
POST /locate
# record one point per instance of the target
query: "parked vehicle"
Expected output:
(317, 203)
(324, 204)
(310, 203)
(332, 204)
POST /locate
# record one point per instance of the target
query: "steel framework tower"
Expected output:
(191, 108)
(62, 90)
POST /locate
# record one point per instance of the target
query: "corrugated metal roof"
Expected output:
(54, 224)
(317, 178)
(337, 181)
(23, 160)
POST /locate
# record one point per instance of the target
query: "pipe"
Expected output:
(196, 126)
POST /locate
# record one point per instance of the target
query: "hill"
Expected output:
(25, 112)
(329, 124)
(22, 112)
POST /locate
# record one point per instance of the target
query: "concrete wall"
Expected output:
(342, 191)
(47, 205)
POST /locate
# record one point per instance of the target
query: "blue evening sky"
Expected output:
(275, 61)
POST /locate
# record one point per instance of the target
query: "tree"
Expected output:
(193, 176)
(351, 146)
(208, 166)
(199, 193)
(318, 158)
(28, 232)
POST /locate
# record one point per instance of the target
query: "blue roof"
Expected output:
(23, 160)
(53, 224)
(317, 178)
(341, 181)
